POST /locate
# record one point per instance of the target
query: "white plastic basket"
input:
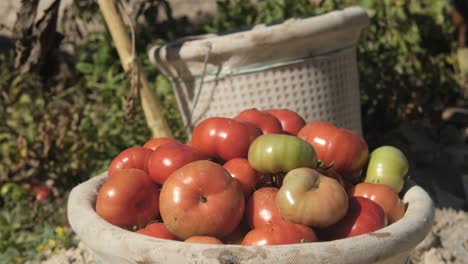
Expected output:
(306, 65)
(113, 245)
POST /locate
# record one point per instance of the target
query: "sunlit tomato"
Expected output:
(363, 216)
(204, 240)
(261, 208)
(387, 165)
(154, 143)
(291, 122)
(241, 170)
(131, 158)
(277, 234)
(168, 158)
(309, 198)
(158, 230)
(224, 138)
(384, 196)
(129, 198)
(344, 148)
(275, 153)
(201, 199)
(268, 123)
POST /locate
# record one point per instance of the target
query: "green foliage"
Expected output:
(30, 230)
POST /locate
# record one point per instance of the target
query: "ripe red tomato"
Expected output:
(201, 199)
(278, 234)
(363, 216)
(204, 240)
(224, 138)
(129, 198)
(154, 143)
(261, 208)
(158, 230)
(168, 158)
(241, 170)
(291, 122)
(384, 196)
(268, 123)
(131, 158)
(343, 147)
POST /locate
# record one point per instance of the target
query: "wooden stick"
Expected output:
(151, 105)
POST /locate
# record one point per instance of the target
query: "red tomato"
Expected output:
(204, 240)
(131, 158)
(168, 158)
(384, 196)
(130, 198)
(224, 138)
(343, 147)
(261, 208)
(158, 230)
(268, 123)
(241, 170)
(154, 143)
(201, 199)
(363, 216)
(277, 234)
(291, 122)
(334, 175)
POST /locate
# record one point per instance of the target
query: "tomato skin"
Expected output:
(168, 158)
(204, 240)
(158, 230)
(364, 216)
(276, 234)
(129, 198)
(384, 196)
(201, 199)
(280, 153)
(131, 158)
(291, 122)
(224, 138)
(345, 148)
(261, 209)
(241, 170)
(154, 143)
(387, 165)
(312, 199)
(268, 123)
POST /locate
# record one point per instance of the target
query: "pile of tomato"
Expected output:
(260, 178)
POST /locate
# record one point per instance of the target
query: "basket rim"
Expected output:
(412, 229)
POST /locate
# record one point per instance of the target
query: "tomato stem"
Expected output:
(203, 199)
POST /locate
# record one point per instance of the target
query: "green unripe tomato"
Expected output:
(387, 165)
(273, 153)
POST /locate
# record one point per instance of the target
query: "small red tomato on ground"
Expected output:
(241, 170)
(154, 143)
(131, 158)
(224, 138)
(129, 198)
(344, 148)
(291, 122)
(168, 158)
(363, 216)
(268, 123)
(384, 196)
(204, 240)
(158, 230)
(201, 199)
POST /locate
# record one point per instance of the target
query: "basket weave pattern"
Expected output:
(318, 88)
